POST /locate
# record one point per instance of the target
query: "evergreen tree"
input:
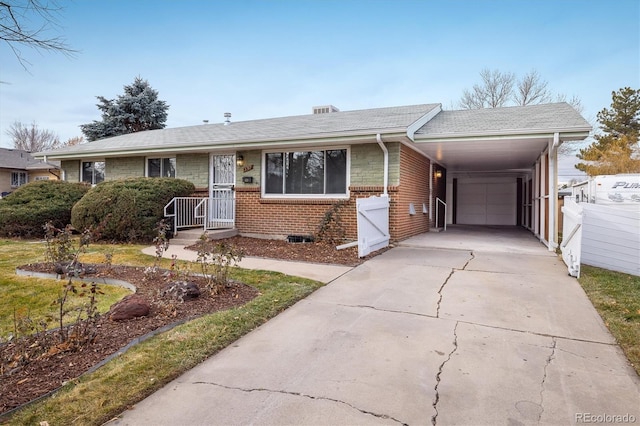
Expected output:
(137, 110)
(615, 150)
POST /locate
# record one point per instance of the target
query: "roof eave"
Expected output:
(578, 133)
(320, 139)
(417, 125)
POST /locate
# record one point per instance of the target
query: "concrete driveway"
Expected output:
(473, 326)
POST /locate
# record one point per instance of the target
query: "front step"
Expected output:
(187, 237)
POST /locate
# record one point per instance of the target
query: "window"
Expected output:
(306, 173)
(93, 172)
(161, 167)
(18, 179)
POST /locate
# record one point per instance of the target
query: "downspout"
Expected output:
(386, 162)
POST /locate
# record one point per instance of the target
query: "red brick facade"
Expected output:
(281, 217)
(413, 189)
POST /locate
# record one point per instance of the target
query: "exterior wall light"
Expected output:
(438, 174)
(240, 160)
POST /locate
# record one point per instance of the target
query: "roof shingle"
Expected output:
(21, 160)
(543, 117)
(272, 129)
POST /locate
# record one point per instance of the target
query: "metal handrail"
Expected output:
(184, 212)
(202, 215)
(438, 200)
(171, 203)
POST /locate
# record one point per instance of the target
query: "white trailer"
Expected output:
(601, 224)
(622, 189)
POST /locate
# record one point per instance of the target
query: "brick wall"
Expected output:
(367, 164)
(279, 217)
(194, 168)
(123, 167)
(251, 168)
(71, 170)
(413, 188)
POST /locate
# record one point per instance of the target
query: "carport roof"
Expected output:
(498, 139)
(503, 121)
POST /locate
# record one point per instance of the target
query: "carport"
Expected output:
(498, 166)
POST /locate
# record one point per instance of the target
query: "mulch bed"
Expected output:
(315, 252)
(45, 374)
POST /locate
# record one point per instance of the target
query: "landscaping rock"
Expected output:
(130, 307)
(182, 290)
(73, 269)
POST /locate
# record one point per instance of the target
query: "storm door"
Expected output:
(221, 205)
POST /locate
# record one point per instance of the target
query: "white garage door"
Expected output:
(490, 202)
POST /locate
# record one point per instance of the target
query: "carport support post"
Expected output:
(553, 191)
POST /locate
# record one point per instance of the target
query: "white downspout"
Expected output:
(386, 162)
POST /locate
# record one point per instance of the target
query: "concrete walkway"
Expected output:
(315, 271)
(477, 334)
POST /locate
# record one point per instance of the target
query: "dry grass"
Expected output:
(616, 297)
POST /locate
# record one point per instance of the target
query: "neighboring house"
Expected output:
(18, 167)
(489, 166)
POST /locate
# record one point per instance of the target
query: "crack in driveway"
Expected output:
(304, 395)
(453, 270)
(437, 397)
(534, 333)
(393, 311)
(544, 377)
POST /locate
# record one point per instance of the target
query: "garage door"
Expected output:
(486, 203)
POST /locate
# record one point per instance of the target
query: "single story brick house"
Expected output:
(18, 167)
(480, 167)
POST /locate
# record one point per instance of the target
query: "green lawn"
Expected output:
(24, 297)
(616, 296)
(97, 397)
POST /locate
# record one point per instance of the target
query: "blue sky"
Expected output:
(260, 59)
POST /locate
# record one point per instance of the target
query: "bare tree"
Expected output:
(531, 90)
(574, 101)
(31, 138)
(77, 140)
(494, 91)
(29, 23)
(497, 90)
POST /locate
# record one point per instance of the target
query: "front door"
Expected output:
(221, 207)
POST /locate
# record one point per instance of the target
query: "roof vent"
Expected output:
(227, 116)
(324, 109)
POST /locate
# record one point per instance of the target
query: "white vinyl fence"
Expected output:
(373, 224)
(604, 236)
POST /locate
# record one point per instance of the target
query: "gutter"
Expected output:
(502, 134)
(200, 147)
(386, 162)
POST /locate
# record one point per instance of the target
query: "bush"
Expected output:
(24, 212)
(127, 210)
